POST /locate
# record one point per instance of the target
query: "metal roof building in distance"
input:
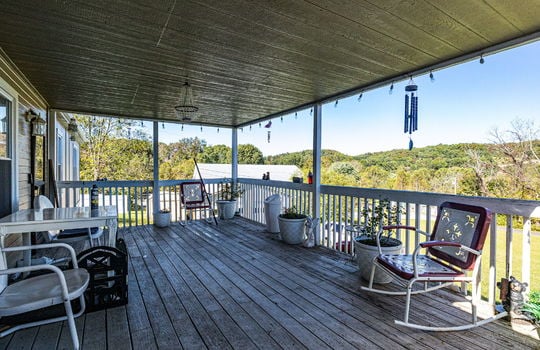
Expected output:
(250, 171)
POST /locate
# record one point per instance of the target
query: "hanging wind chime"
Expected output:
(411, 110)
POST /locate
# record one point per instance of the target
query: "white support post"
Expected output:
(316, 204)
(155, 145)
(234, 163)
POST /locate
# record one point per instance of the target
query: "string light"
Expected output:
(142, 124)
(163, 125)
(281, 119)
(431, 77)
(391, 88)
(335, 104)
(201, 128)
(182, 128)
(311, 111)
(295, 115)
(218, 130)
(259, 125)
(250, 128)
(482, 59)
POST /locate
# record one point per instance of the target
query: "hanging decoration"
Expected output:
(336, 103)
(218, 130)
(295, 115)
(391, 89)
(163, 125)
(482, 59)
(431, 76)
(360, 96)
(268, 126)
(281, 119)
(411, 110)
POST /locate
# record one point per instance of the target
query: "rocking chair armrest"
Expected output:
(429, 244)
(394, 227)
(46, 246)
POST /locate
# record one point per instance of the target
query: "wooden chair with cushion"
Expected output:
(40, 292)
(453, 254)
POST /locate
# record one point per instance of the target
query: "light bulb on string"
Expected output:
(163, 125)
(250, 128)
(482, 59)
(142, 124)
(281, 119)
(431, 76)
(242, 130)
(311, 111)
(201, 128)
(335, 104)
(391, 89)
(360, 96)
(259, 125)
(295, 115)
(182, 128)
(218, 130)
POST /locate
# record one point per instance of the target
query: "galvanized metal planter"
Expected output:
(292, 231)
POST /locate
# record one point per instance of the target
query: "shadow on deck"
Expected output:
(235, 286)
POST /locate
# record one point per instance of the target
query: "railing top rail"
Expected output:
(505, 206)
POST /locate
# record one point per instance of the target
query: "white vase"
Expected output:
(292, 231)
(364, 258)
(226, 209)
(162, 219)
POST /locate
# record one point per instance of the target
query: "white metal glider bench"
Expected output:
(39, 292)
(454, 250)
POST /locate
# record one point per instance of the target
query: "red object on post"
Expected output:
(310, 178)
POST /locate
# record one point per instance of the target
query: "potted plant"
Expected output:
(162, 218)
(292, 226)
(227, 202)
(366, 246)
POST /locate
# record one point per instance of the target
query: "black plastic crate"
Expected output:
(108, 271)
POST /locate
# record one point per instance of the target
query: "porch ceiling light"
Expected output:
(185, 109)
(38, 124)
(72, 126)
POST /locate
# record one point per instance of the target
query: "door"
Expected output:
(6, 161)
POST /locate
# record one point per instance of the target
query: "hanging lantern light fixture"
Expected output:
(186, 109)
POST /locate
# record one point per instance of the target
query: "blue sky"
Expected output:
(462, 104)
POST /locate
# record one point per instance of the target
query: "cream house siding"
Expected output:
(25, 97)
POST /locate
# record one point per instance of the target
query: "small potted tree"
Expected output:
(162, 218)
(292, 226)
(227, 202)
(365, 245)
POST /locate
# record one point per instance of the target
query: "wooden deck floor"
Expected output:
(233, 286)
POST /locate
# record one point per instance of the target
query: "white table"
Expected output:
(32, 220)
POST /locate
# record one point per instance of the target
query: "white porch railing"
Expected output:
(340, 206)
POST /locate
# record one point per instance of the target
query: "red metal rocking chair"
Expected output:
(194, 197)
(453, 254)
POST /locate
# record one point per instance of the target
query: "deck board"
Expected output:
(235, 286)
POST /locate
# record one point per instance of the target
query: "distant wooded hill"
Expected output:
(510, 170)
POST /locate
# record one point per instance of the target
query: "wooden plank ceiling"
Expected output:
(245, 59)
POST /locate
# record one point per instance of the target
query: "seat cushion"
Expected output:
(41, 291)
(402, 266)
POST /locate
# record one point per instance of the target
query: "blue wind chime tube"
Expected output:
(411, 111)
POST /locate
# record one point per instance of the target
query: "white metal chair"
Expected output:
(35, 293)
(71, 235)
(454, 250)
(194, 197)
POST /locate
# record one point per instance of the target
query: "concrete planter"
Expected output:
(364, 258)
(226, 209)
(162, 219)
(292, 231)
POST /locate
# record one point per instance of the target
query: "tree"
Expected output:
(101, 134)
(249, 154)
(217, 154)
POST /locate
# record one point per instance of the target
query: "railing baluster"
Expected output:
(492, 276)
(526, 253)
(509, 244)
